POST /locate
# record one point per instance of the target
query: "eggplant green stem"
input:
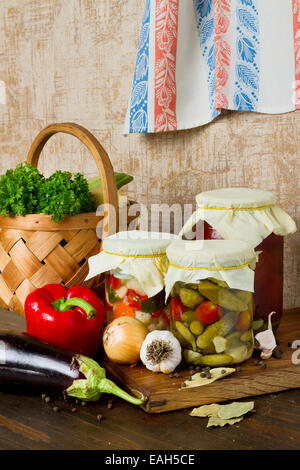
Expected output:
(95, 383)
(107, 386)
(62, 305)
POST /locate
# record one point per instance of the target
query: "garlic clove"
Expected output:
(266, 353)
(266, 340)
(153, 367)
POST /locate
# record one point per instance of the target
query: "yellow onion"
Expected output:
(123, 339)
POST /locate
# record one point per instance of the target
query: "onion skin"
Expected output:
(123, 339)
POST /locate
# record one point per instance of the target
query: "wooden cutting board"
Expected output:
(165, 394)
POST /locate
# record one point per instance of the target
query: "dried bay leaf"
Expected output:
(206, 410)
(216, 421)
(217, 373)
(235, 410)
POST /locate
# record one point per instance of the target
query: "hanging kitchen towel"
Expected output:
(196, 57)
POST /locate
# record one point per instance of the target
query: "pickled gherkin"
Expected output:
(234, 340)
(190, 297)
(196, 327)
(215, 360)
(191, 286)
(219, 283)
(210, 349)
(239, 354)
(211, 360)
(221, 296)
(243, 295)
(189, 316)
(176, 288)
(191, 357)
(219, 328)
(247, 336)
(187, 335)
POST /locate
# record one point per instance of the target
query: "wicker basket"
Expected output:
(35, 251)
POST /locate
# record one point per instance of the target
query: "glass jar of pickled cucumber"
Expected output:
(134, 264)
(249, 215)
(211, 287)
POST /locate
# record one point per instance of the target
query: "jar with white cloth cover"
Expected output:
(210, 283)
(252, 216)
(134, 264)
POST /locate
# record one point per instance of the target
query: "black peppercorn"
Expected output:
(276, 354)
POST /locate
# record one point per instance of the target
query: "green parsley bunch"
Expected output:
(26, 191)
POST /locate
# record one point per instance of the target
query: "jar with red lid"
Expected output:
(252, 216)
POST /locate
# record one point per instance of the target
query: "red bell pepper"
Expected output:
(177, 309)
(113, 281)
(51, 317)
(167, 319)
(158, 313)
(134, 299)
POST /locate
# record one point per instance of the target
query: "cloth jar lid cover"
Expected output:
(138, 243)
(225, 260)
(137, 253)
(241, 214)
(235, 198)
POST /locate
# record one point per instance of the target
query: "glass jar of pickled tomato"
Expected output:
(211, 301)
(249, 215)
(134, 264)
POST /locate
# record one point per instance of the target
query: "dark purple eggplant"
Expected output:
(30, 365)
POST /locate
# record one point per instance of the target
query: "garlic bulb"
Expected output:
(266, 340)
(161, 351)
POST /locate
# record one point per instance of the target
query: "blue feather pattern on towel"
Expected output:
(247, 66)
(138, 116)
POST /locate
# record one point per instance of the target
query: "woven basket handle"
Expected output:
(105, 168)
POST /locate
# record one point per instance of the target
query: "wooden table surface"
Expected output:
(27, 422)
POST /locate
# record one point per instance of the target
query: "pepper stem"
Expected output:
(62, 305)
